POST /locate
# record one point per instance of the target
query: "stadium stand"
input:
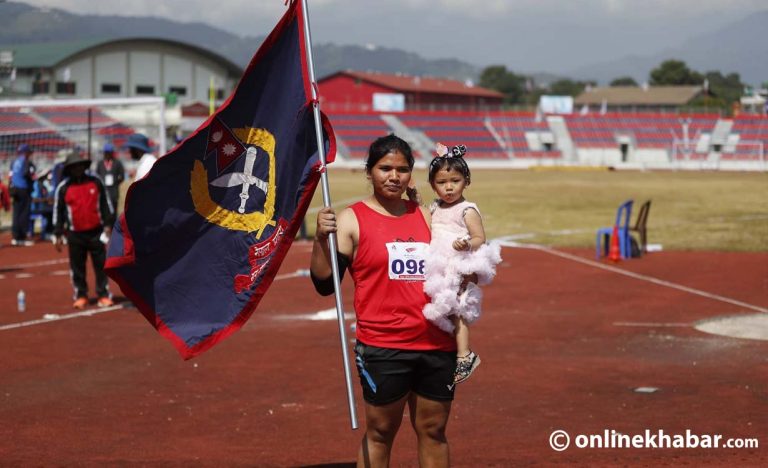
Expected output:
(21, 127)
(357, 130)
(457, 128)
(751, 138)
(515, 130)
(644, 130)
(495, 138)
(67, 117)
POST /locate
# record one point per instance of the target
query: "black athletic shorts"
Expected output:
(387, 375)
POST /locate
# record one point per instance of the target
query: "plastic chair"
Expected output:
(640, 225)
(603, 240)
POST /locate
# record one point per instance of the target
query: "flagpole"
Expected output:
(327, 203)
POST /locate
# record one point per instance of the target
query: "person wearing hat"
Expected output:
(82, 211)
(112, 173)
(138, 145)
(22, 176)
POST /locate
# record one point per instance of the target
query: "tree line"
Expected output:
(721, 91)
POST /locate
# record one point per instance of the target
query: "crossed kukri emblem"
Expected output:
(239, 220)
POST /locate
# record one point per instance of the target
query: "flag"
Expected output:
(203, 234)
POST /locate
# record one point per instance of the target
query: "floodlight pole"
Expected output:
(327, 203)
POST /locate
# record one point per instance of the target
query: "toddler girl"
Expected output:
(458, 248)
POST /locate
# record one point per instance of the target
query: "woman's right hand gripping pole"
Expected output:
(321, 254)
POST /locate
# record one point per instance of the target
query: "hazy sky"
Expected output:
(525, 35)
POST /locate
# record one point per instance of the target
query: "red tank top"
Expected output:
(389, 311)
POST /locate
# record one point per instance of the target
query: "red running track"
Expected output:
(564, 345)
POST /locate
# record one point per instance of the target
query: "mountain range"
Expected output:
(738, 47)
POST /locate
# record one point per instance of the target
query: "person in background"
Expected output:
(5, 197)
(138, 146)
(57, 171)
(22, 176)
(112, 173)
(42, 206)
(83, 212)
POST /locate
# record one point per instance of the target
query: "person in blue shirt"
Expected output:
(42, 207)
(22, 177)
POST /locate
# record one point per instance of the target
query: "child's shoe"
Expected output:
(465, 366)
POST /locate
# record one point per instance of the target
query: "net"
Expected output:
(50, 126)
(742, 154)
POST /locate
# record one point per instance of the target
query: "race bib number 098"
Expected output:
(406, 260)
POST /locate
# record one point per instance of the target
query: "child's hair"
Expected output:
(454, 159)
(385, 145)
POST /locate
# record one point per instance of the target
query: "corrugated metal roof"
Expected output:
(47, 54)
(638, 95)
(416, 84)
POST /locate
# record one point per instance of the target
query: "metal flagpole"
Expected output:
(327, 203)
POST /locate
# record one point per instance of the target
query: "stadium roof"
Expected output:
(417, 84)
(639, 96)
(50, 54)
(46, 54)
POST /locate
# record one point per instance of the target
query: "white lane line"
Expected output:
(38, 264)
(302, 273)
(88, 313)
(24, 275)
(651, 324)
(649, 279)
(328, 314)
(56, 318)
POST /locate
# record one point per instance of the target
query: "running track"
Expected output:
(564, 346)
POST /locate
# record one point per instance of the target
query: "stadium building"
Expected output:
(364, 91)
(659, 99)
(137, 67)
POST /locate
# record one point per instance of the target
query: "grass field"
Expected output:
(725, 211)
(690, 210)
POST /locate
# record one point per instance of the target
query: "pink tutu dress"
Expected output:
(444, 267)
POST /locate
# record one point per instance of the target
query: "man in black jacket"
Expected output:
(112, 173)
(83, 211)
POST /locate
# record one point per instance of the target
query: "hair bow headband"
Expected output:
(457, 151)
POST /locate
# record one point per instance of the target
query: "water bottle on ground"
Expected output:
(21, 301)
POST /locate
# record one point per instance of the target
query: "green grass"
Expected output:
(725, 211)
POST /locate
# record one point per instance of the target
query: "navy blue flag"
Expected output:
(203, 234)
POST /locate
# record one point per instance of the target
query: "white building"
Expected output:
(127, 67)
